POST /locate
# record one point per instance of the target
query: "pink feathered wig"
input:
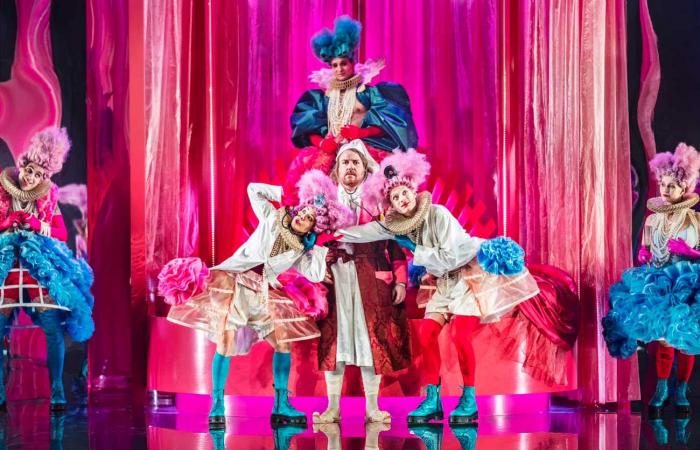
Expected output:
(318, 191)
(48, 149)
(683, 165)
(400, 169)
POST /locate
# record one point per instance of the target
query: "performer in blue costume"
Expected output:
(346, 107)
(658, 302)
(39, 272)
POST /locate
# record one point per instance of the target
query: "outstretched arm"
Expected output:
(369, 232)
(455, 247)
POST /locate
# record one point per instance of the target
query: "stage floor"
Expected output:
(28, 425)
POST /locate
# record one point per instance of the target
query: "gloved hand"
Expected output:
(324, 238)
(680, 247)
(405, 242)
(309, 241)
(15, 217)
(326, 144)
(351, 132)
(644, 256)
(32, 222)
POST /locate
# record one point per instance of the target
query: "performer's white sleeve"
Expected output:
(456, 247)
(260, 196)
(312, 264)
(369, 232)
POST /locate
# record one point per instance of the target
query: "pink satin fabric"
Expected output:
(116, 357)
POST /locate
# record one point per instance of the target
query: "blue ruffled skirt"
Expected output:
(652, 304)
(52, 263)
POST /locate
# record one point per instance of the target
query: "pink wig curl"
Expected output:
(400, 169)
(683, 165)
(317, 190)
(48, 149)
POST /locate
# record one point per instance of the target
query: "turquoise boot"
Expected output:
(429, 409)
(57, 425)
(429, 433)
(466, 412)
(50, 322)
(218, 438)
(656, 404)
(283, 412)
(219, 373)
(682, 403)
(283, 435)
(660, 432)
(466, 437)
(682, 433)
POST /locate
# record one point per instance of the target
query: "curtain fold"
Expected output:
(568, 123)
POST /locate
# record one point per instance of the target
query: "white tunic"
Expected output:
(256, 250)
(353, 345)
(444, 247)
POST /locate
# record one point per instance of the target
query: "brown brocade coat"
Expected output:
(386, 323)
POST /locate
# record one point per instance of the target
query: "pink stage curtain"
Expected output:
(222, 78)
(261, 62)
(176, 151)
(110, 349)
(568, 177)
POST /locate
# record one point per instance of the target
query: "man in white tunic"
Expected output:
(366, 325)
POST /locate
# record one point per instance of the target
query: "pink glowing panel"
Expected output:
(180, 358)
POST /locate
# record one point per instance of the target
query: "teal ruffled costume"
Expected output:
(52, 264)
(68, 281)
(651, 304)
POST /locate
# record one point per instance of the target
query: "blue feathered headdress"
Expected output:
(339, 44)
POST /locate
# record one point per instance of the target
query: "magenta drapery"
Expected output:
(109, 245)
(216, 108)
(650, 79)
(445, 53)
(258, 65)
(567, 141)
(176, 150)
(253, 60)
(261, 62)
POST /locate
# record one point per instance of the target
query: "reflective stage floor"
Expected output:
(28, 425)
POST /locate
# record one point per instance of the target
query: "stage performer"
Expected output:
(247, 297)
(657, 302)
(39, 272)
(366, 325)
(478, 281)
(346, 107)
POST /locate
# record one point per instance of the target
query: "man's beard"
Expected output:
(351, 180)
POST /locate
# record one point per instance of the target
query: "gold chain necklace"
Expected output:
(344, 84)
